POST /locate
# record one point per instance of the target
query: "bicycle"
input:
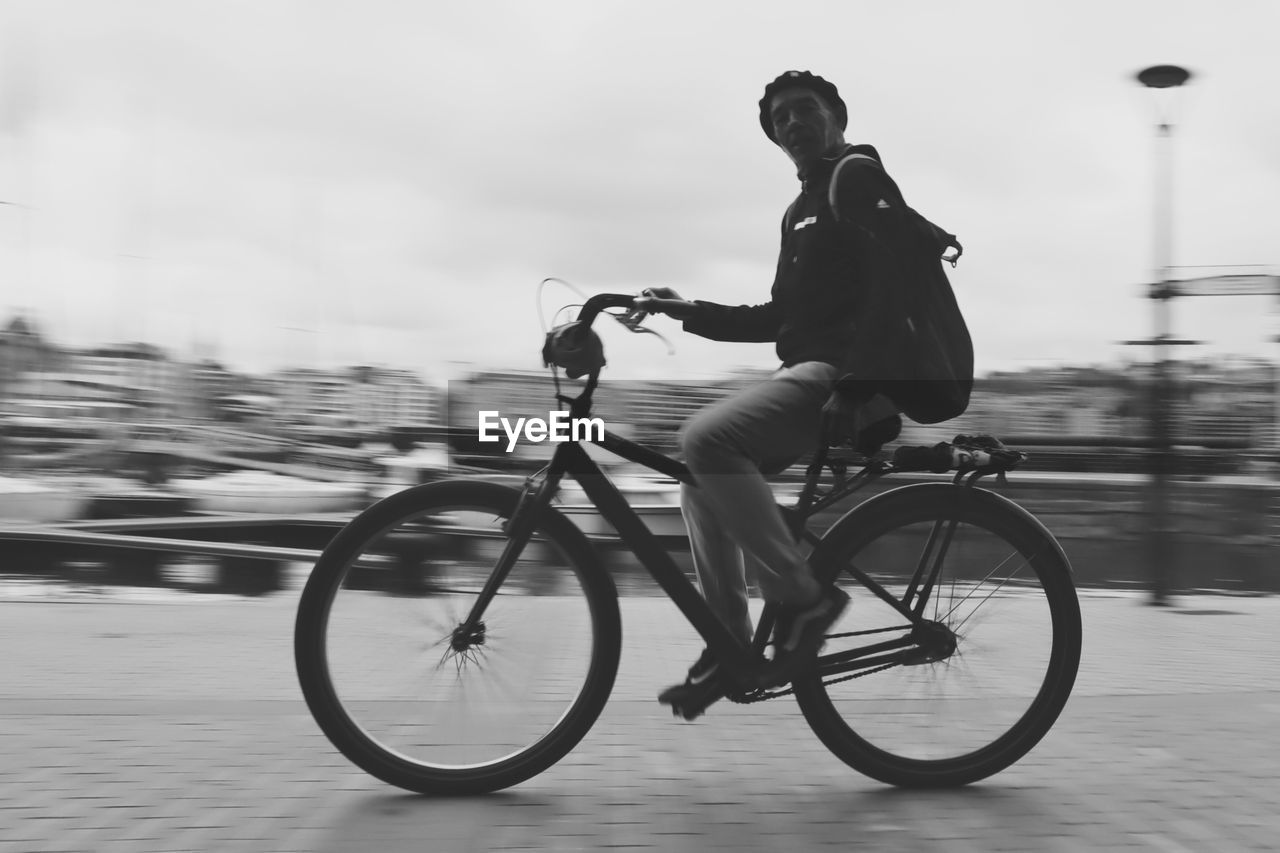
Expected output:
(950, 576)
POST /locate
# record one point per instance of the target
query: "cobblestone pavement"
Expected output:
(177, 725)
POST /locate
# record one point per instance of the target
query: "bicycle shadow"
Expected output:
(581, 815)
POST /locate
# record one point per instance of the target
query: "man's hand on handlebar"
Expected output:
(664, 300)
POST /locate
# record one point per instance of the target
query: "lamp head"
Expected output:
(1163, 76)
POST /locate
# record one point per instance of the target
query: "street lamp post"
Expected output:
(1160, 552)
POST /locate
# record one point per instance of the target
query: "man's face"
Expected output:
(804, 124)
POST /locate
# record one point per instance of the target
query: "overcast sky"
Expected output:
(325, 183)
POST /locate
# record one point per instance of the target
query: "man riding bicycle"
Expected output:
(827, 294)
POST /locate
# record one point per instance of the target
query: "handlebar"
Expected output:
(636, 313)
(633, 318)
(601, 301)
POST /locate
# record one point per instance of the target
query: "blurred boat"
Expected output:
(26, 499)
(328, 436)
(122, 497)
(422, 464)
(265, 492)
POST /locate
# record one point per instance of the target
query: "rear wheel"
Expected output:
(415, 693)
(985, 669)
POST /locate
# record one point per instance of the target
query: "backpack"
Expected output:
(928, 369)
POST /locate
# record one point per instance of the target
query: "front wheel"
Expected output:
(970, 684)
(415, 686)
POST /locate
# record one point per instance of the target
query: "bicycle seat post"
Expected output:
(814, 471)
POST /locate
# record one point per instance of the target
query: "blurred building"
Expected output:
(141, 375)
(129, 382)
(1227, 403)
(515, 394)
(364, 399)
(215, 391)
(1055, 402)
(1232, 399)
(1214, 402)
(651, 412)
(23, 349)
(393, 397)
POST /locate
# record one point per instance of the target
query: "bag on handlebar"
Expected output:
(923, 354)
(575, 348)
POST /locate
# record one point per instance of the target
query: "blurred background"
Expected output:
(271, 259)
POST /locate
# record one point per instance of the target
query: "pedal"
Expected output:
(691, 704)
(688, 710)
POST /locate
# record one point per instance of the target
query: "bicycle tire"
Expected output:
(881, 724)
(399, 727)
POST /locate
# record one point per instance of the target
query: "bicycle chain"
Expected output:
(760, 695)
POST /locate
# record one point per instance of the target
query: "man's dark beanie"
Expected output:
(802, 79)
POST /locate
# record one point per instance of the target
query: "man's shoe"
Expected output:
(703, 686)
(799, 633)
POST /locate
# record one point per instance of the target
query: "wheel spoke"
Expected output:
(993, 591)
(994, 653)
(408, 693)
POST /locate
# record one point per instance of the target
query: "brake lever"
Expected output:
(632, 320)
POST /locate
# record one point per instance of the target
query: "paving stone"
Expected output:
(179, 726)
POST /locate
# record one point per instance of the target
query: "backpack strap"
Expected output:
(786, 218)
(835, 180)
(945, 239)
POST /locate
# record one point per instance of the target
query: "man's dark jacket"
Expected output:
(833, 278)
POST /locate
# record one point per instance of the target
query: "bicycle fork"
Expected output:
(534, 498)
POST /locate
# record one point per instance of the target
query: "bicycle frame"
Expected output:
(740, 661)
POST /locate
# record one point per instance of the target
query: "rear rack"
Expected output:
(971, 457)
(965, 454)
